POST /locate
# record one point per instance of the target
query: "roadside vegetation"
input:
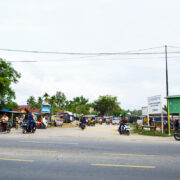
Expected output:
(137, 129)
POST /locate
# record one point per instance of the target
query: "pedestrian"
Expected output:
(5, 120)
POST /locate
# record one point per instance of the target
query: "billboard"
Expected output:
(45, 108)
(154, 105)
(174, 106)
(145, 111)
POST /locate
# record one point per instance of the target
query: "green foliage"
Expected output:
(138, 130)
(8, 75)
(106, 105)
(60, 99)
(78, 105)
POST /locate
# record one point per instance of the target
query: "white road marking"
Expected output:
(41, 142)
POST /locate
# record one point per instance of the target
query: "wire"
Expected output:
(174, 47)
(135, 52)
(70, 59)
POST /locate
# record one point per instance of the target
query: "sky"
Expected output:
(92, 26)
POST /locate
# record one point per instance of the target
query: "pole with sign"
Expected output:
(144, 112)
(155, 107)
(45, 108)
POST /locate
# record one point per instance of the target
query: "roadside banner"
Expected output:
(145, 111)
(45, 109)
(154, 105)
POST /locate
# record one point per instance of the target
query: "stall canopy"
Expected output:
(4, 110)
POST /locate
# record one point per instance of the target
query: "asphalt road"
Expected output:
(68, 158)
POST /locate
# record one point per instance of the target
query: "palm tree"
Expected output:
(46, 97)
(52, 102)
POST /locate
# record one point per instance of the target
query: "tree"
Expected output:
(8, 75)
(52, 102)
(46, 97)
(60, 99)
(32, 102)
(106, 105)
(39, 102)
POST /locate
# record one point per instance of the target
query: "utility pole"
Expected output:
(167, 88)
(167, 91)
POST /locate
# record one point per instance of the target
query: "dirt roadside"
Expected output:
(99, 132)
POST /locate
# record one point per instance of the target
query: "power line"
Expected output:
(135, 52)
(95, 60)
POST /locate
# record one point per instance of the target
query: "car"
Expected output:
(116, 120)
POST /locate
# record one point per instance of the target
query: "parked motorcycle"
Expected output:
(82, 126)
(177, 135)
(8, 127)
(124, 129)
(26, 127)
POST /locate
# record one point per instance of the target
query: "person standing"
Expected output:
(5, 120)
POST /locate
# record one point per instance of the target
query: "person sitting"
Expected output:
(83, 120)
(31, 121)
(122, 123)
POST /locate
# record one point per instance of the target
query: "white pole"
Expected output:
(162, 121)
(148, 115)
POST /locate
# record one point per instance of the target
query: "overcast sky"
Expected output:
(92, 26)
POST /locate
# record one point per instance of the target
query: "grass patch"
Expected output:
(140, 131)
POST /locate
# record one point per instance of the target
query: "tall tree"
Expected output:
(60, 99)
(46, 97)
(8, 75)
(32, 102)
(106, 105)
(52, 102)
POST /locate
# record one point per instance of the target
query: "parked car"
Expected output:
(115, 120)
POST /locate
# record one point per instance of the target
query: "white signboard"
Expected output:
(154, 105)
(145, 111)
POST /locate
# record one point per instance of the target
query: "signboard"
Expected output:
(45, 109)
(154, 105)
(174, 106)
(145, 111)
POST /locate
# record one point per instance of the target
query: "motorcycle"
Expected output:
(26, 127)
(124, 129)
(8, 127)
(177, 135)
(82, 126)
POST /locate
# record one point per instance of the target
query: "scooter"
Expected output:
(124, 129)
(82, 126)
(26, 127)
(8, 127)
(177, 135)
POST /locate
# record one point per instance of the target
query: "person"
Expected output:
(4, 121)
(176, 124)
(31, 121)
(45, 121)
(83, 120)
(122, 123)
(21, 120)
(17, 121)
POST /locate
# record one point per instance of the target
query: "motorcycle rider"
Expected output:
(4, 121)
(31, 121)
(176, 124)
(122, 123)
(83, 120)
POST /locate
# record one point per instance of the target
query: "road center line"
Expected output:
(20, 160)
(40, 142)
(118, 154)
(118, 165)
(36, 150)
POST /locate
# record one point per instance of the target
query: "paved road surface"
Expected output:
(72, 158)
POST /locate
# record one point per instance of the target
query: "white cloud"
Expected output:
(91, 26)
